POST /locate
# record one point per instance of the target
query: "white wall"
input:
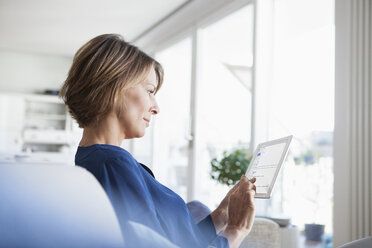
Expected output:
(29, 72)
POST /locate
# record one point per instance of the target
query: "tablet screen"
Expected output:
(266, 164)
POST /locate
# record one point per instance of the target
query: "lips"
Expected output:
(147, 120)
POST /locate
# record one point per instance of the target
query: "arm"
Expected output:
(219, 218)
(241, 211)
(234, 216)
(220, 214)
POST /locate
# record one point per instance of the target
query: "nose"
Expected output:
(155, 108)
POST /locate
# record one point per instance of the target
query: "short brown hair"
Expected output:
(102, 68)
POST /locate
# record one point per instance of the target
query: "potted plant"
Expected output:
(229, 169)
(314, 232)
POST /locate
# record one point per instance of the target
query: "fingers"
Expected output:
(254, 188)
(236, 186)
(245, 179)
(246, 186)
(252, 180)
(241, 206)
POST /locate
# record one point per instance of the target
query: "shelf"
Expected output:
(40, 116)
(37, 127)
(46, 142)
(43, 98)
(43, 157)
(35, 136)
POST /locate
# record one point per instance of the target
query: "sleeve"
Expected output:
(208, 230)
(206, 226)
(133, 202)
(219, 241)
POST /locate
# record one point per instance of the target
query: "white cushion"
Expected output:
(361, 243)
(54, 206)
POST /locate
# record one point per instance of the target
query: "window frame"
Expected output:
(194, 33)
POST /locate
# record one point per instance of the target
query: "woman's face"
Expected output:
(137, 106)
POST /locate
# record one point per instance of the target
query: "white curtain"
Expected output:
(353, 122)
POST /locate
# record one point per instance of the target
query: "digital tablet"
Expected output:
(266, 163)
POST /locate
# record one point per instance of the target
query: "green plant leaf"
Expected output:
(230, 167)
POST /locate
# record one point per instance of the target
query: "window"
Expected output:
(171, 144)
(224, 101)
(302, 104)
(298, 91)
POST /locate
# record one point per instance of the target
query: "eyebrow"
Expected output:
(151, 84)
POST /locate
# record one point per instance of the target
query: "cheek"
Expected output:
(141, 103)
(135, 107)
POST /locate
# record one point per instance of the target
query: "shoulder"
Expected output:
(114, 152)
(116, 156)
(103, 154)
(120, 162)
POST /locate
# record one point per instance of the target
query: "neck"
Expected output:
(106, 132)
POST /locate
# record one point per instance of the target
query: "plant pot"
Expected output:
(314, 232)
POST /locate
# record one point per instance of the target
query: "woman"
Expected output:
(110, 91)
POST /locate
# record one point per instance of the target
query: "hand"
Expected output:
(241, 211)
(241, 205)
(220, 214)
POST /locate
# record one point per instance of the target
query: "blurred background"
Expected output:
(237, 73)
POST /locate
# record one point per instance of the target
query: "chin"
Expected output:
(140, 134)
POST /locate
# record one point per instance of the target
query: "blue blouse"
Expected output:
(136, 196)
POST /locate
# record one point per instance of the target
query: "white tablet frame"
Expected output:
(287, 140)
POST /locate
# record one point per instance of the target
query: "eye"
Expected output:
(151, 92)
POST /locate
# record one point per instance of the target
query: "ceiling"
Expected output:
(61, 27)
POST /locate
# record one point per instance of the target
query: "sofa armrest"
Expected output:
(265, 233)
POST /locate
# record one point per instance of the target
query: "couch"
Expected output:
(65, 206)
(361, 243)
(62, 206)
(265, 233)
